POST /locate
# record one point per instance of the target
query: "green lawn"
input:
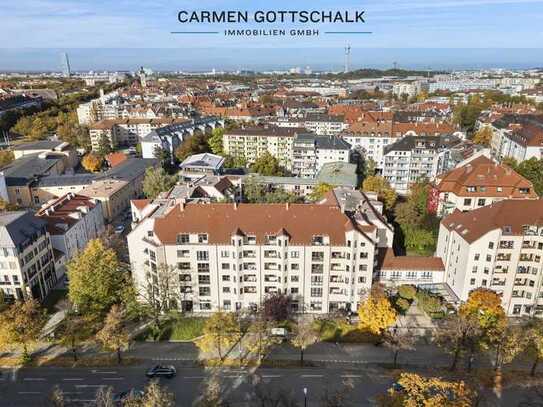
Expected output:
(341, 331)
(176, 329)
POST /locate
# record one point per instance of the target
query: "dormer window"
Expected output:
(271, 239)
(471, 189)
(524, 190)
(202, 238)
(183, 238)
(317, 240)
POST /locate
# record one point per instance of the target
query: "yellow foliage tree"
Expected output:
(114, 335)
(376, 314)
(220, 332)
(413, 390)
(483, 136)
(385, 193)
(486, 306)
(21, 324)
(92, 162)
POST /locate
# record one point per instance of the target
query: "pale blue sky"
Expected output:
(147, 23)
(93, 26)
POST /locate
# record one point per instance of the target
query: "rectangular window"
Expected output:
(204, 291)
(316, 292)
(202, 238)
(204, 279)
(202, 255)
(183, 238)
(183, 253)
(203, 267)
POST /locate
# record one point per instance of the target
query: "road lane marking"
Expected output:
(90, 385)
(72, 392)
(72, 379)
(34, 379)
(112, 378)
(103, 372)
(311, 375)
(351, 376)
(29, 392)
(270, 376)
(194, 377)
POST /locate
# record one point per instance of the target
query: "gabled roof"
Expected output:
(300, 221)
(483, 172)
(510, 215)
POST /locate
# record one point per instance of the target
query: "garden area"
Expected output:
(175, 328)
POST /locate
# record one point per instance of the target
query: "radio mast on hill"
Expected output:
(347, 59)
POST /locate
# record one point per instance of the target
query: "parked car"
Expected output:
(161, 371)
(132, 394)
(119, 229)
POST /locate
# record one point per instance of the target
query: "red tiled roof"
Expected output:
(510, 214)
(300, 221)
(388, 261)
(483, 172)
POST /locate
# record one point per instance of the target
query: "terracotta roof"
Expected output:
(300, 221)
(140, 203)
(483, 172)
(510, 215)
(114, 159)
(60, 212)
(388, 261)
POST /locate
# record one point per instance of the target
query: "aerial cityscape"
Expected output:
(290, 218)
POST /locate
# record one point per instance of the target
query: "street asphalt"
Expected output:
(32, 386)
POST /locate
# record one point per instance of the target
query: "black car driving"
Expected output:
(161, 371)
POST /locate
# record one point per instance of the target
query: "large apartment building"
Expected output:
(311, 152)
(26, 256)
(518, 136)
(500, 247)
(480, 182)
(72, 221)
(232, 256)
(300, 152)
(415, 157)
(251, 143)
(126, 132)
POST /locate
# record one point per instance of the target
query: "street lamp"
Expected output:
(305, 396)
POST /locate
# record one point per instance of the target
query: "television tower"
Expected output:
(66, 65)
(347, 59)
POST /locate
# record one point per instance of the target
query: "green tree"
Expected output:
(253, 192)
(532, 169)
(194, 144)
(157, 180)
(215, 141)
(384, 191)
(104, 146)
(267, 165)
(234, 162)
(114, 336)
(96, 279)
(220, 332)
(21, 324)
